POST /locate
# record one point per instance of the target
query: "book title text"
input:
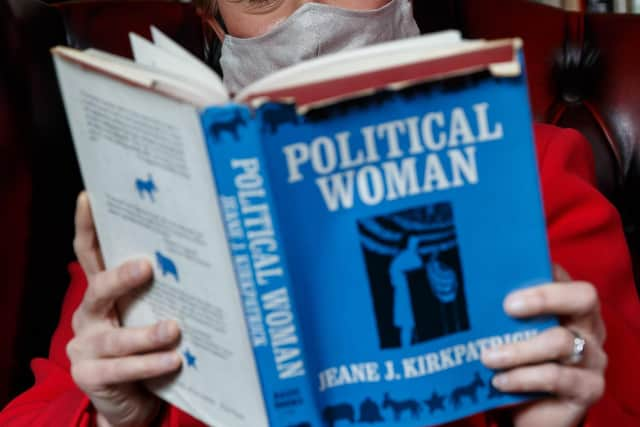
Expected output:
(396, 159)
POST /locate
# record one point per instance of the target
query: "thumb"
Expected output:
(560, 274)
(85, 243)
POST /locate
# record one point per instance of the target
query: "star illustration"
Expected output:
(436, 402)
(190, 359)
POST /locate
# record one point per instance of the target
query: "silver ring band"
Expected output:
(579, 345)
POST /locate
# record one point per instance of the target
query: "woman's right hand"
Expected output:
(107, 360)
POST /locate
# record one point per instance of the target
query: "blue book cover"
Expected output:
(377, 238)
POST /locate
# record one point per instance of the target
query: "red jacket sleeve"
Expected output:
(54, 400)
(586, 238)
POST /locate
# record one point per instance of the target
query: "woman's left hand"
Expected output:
(543, 364)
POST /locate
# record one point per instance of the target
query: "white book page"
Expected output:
(353, 62)
(144, 162)
(122, 68)
(194, 64)
(150, 55)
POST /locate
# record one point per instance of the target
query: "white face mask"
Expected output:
(314, 29)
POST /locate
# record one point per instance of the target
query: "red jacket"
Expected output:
(586, 238)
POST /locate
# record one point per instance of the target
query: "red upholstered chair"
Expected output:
(583, 73)
(39, 177)
(106, 24)
(17, 132)
(14, 204)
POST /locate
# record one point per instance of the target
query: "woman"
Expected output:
(93, 372)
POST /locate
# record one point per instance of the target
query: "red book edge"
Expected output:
(323, 93)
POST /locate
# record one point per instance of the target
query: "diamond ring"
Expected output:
(579, 345)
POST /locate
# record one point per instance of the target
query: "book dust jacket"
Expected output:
(392, 227)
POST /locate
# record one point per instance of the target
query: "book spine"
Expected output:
(253, 233)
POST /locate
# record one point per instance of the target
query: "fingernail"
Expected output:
(135, 270)
(138, 270)
(500, 381)
(516, 305)
(495, 355)
(170, 360)
(163, 331)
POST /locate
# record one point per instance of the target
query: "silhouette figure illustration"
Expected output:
(442, 279)
(332, 414)
(167, 266)
(276, 115)
(229, 126)
(444, 285)
(470, 391)
(400, 406)
(147, 187)
(190, 359)
(415, 275)
(405, 261)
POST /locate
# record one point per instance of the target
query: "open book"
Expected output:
(336, 240)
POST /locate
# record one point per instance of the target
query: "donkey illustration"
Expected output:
(147, 186)
(229, 126)
(332, 414)
(167, 266)
(275, 116)
(470, 390)
(400, 406)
